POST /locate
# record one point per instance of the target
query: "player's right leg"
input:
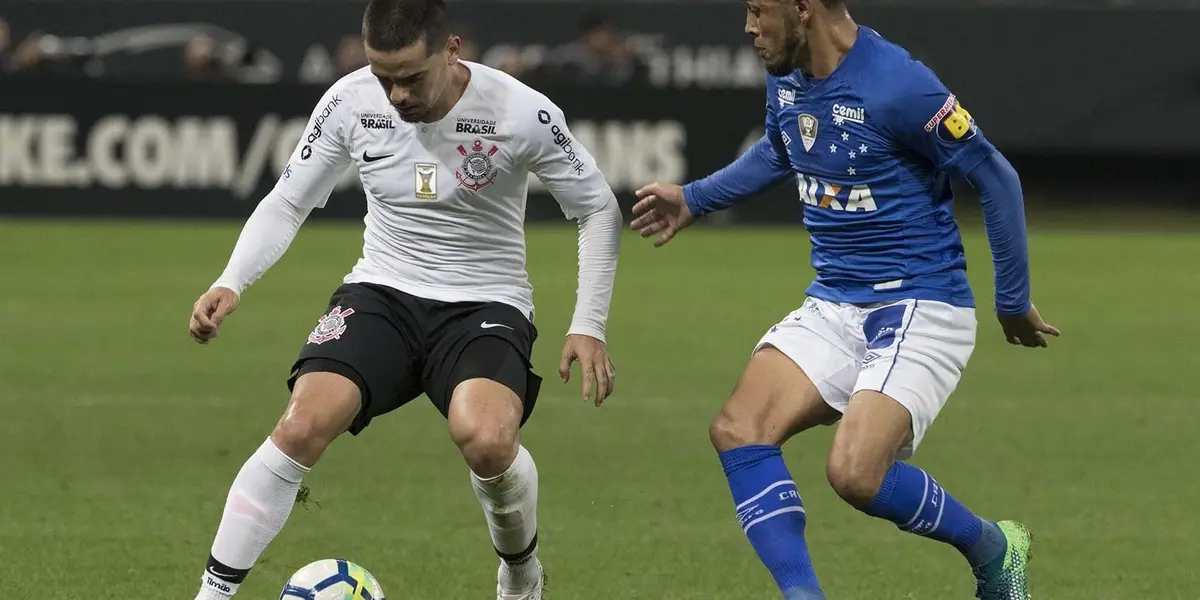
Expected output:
(776, 398)
(355, 366)
(264, 491)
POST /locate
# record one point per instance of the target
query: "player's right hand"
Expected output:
(661, 210)
(209, 311)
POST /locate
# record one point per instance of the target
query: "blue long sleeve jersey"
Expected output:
(872, 148)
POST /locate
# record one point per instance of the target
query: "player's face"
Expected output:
(778, 33)
(413, 78)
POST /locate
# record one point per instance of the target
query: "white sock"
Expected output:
(258, 504)
(509, 503)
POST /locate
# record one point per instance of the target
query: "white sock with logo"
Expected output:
(509, 503)
(259, 502)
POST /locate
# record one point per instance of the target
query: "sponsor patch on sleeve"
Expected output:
(952, 122)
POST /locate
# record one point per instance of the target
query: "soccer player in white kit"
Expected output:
(440, 302)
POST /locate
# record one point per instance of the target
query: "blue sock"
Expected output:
(771, 514)
(910, 498)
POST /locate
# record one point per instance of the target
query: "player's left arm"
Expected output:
(570, 173)
(926, 117)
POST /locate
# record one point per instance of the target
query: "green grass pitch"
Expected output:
(119, 436)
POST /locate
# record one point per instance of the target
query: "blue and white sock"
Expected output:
(913, 500)
(773, 517)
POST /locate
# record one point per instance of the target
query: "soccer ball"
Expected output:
(332, 579)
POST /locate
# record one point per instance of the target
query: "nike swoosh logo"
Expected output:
(371, 159)
(486, 325)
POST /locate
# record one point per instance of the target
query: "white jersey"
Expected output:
(446, 200)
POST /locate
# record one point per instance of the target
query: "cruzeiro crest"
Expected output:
(808, 130)
(478, 170)
(331, 326)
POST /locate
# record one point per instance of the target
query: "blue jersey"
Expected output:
(872, 148)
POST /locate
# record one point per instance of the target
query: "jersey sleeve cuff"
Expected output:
(689, 198)
(1014, 310)
(237, 288)
(586, 329)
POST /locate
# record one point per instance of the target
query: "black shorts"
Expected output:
(396, 346)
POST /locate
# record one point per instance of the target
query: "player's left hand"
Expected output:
(599, 375)
(1027, 330)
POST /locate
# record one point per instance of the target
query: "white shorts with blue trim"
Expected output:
(913, 351)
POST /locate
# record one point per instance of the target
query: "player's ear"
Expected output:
(453, 48)
(803, 8)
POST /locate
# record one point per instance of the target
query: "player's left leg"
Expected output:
(484, 422)
(481, 380)
(913, 362)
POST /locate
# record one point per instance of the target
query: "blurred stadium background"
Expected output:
(119, 437)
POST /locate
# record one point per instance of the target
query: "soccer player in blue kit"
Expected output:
(872, 138)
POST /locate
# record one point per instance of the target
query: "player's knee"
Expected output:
(300, 438)
(484, 419)
(855, 479)
(488, 450)
(323, 405)
(295, 437)
(728, 430)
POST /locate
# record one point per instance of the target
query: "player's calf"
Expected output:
(863, 470)
(262, 495)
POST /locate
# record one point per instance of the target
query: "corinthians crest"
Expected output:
(808, 130)
(478, 170)
(331, 326)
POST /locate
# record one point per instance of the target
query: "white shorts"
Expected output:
(913, 351)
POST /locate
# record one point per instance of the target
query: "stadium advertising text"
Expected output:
(192, 149)
(203, 152)
(147, 151)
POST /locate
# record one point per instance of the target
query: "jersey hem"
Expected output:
(823, 292)
(440, 294)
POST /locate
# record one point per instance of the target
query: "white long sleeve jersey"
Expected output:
(445, 200)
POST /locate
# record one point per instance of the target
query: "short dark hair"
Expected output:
(390, 25)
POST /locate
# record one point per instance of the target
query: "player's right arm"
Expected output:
(319, 160)
(665, 209)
